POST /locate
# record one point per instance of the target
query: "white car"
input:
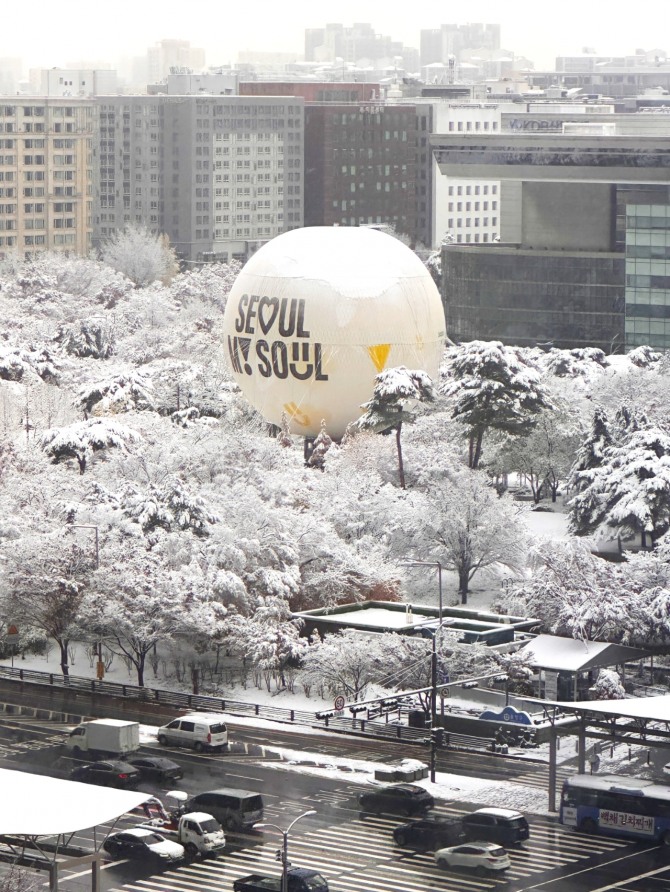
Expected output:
(143, 844)
(481, 857)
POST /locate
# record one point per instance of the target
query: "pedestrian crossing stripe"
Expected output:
(375, 862)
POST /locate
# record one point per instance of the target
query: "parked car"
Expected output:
(110, 773)
(399, 799)
(429, 833)
(146, 845)
(157, 769)
(505, 826)
(482, 857)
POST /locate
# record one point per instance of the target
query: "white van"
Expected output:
(199, 730)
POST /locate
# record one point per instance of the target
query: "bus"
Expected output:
(618, 806)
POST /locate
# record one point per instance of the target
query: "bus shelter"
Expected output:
(40, 816)
(566, 667)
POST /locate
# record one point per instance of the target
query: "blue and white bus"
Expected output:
(618, 806)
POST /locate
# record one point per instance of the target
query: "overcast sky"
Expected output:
(52, 34)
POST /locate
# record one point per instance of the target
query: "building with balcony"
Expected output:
(46, 175)
(219, 175)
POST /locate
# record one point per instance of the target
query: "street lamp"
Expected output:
(410, 562)
(433, 662)
(284, 850)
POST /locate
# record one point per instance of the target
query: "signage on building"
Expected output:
(543, 124)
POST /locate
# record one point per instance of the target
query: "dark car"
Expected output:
(144, 845)
(505, 826)
(399, 799)
(429, 833)
(110, 773)
(157, 769)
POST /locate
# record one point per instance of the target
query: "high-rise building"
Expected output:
(46, 175)
(361, 165)
(170, 54)
(220, 175)
(439, 44)
(357, 44)
(585, 228)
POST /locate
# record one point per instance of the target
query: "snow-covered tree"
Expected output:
(468, 528)
(141, 255)
(492, 387)
(630, 490)
(270, 640)
(44, 583)
(135, 602)
(20, 879)
(345, 663)
(84, 438)
(120, 393)
(322, 443)
(387, 410)
(608, 686)
(577, 594)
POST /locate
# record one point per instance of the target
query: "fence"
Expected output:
(177, 700)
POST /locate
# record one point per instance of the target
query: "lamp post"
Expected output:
(433, 661)
(410, 562)
(284, 849)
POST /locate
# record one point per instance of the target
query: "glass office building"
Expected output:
(647, 291)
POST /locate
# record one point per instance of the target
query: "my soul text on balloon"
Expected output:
(290, 355)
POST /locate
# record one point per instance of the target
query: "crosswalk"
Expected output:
(359, 854)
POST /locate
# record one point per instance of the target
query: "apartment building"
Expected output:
(220, 175)
(46, 175)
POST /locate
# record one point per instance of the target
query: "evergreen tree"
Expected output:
(386, 410)
(493, 388)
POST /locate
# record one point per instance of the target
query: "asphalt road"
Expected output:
(354, 852)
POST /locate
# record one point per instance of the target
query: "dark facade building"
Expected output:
(538, 296)
(312, 91)
(584, 235)
(362, 166)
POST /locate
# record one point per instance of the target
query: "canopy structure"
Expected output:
(565, 665)
(32, 805)
(573, 655)
(652, 709)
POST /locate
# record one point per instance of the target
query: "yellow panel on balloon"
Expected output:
(379, 354)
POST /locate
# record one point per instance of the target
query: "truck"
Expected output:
(300, 879)
(104, 738)
(198, 832)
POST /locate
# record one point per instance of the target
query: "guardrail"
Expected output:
(180, 700)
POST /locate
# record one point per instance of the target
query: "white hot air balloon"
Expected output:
(317, 313)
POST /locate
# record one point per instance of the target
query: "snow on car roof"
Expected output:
(499, 812)
(35, 805)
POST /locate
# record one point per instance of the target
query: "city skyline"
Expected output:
(43, 37)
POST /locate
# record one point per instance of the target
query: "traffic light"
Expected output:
(437, 736)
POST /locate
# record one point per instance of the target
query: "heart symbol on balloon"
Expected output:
(268, 307)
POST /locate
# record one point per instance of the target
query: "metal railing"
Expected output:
(377, 728)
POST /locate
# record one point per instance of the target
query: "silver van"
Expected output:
(233, 809)
(200, 730)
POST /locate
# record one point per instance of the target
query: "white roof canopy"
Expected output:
(33, 805)
(654, 709)
(574, 655)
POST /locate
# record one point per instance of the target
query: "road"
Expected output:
(356, 853)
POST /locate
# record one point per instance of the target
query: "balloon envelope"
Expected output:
(317, 313)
